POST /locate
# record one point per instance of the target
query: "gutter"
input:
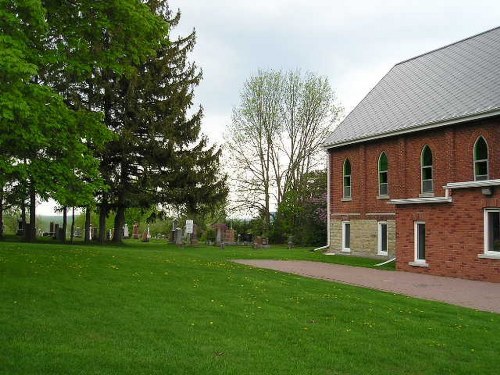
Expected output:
(430, 125)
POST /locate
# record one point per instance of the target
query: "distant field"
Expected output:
(156, 309)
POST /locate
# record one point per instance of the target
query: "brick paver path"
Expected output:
(478, 295)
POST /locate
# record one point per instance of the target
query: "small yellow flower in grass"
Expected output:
(211, 323)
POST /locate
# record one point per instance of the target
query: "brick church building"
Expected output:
(414, 169)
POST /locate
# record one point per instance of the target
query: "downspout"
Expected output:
(327, 204)
(387, 261)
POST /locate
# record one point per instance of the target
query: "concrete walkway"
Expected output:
(478, 295)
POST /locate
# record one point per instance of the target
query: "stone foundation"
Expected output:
(364, 237)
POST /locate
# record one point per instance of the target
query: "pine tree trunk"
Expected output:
(119, 223)
(65, 224)
(103, 213)
(23, 218)
(32, 228)
(87, 225)
(72, 225)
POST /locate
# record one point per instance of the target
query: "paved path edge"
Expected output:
(479, 295)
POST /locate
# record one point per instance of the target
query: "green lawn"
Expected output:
(155, 309)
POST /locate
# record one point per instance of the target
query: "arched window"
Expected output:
(481, 160)
(347, 179)
(383, 182)
(426, 164)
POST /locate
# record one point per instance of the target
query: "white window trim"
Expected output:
(474, 161)
(487, 254)
(487, 169)
(417, 262)
(346, 249)
(345, 197)
(380, 252)
(422, 171)
(380, 195)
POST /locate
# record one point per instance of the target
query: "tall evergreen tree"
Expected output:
(159, 156)
(102, 43)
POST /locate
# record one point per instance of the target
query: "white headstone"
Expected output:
(189, 226)
(125, 231)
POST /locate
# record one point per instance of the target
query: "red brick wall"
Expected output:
(452, 150)
(454, 236)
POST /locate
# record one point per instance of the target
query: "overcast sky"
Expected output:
(353, 43)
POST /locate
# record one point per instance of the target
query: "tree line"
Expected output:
(95, 112)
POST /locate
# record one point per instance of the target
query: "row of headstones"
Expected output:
(146, 236)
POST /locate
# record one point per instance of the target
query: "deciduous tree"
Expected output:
(275, 137)
(42, 139)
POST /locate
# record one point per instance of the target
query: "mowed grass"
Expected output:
(156, 309)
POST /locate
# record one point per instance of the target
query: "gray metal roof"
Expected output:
(454, 83)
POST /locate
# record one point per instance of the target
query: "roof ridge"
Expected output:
(446, 46)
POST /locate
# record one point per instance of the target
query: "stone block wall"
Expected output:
(364, 237)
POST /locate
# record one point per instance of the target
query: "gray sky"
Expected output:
(353, 43)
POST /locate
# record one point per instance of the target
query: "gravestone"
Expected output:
(77, 232)
(220, 230)
(189, 230)
(125, 231)
(146, 236)
(136, 231)
(60, 234)
(194, 236)
(229, 235)
(178, 236)
(172, 233)
(257, 243)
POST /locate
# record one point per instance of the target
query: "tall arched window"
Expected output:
(383, 181)
(427, 173)
(347, 179)
(481, 160)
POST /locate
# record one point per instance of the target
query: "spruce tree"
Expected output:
(102, 44)
(159, 157)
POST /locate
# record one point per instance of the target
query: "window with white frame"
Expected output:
(382, 238)
(383, 181)
(481, 160)
(427, 170)
(492, 231)
(419, 242)
(347, 178)
(346, 236)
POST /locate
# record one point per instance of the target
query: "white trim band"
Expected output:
(471, 184)
(421, 200)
